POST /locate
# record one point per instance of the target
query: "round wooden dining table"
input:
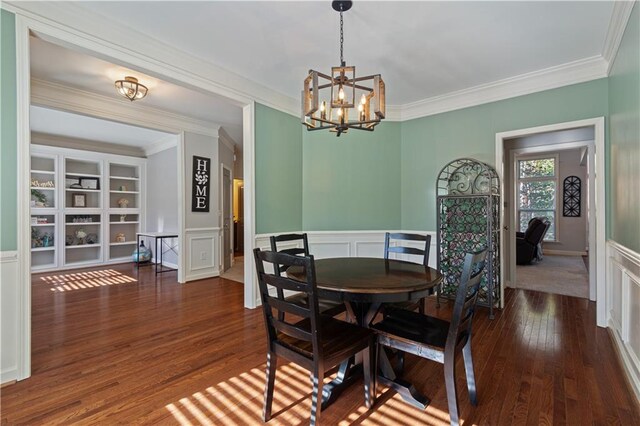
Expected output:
(364, 285)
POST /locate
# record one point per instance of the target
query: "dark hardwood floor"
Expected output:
(110, 347)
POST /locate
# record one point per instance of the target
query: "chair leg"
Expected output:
(316, 396)
(450, 383)
(272, 359)
(400, 362)
(438, 295)
(369, 374)
(421, 307)
(468, 368)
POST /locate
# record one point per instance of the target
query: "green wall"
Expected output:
(431, 142)
(624, 132)
(8, 134)
(278, 167)
(351, 182)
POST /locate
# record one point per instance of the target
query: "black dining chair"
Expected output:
(397, 243)
(292, 244)
(314, 341)
(437, 339)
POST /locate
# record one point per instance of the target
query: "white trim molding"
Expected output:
(57, 96)
(9, 309)
(167, 142)
(233, 85)
(202, 251)
(550, 78)
(617, 24)
(623, 310)
(54, 21)
(597, 230)
(564, 252)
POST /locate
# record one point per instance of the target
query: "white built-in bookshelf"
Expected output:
(86, 207)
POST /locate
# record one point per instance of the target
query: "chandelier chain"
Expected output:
(341, 39)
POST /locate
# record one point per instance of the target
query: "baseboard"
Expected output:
(165, 263)
(626, 357)
(202, 276)
(9, 376)
(564, 252)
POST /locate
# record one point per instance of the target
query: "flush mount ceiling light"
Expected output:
(131, 89)
(341, 101)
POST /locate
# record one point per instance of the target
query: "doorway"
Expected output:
(63, 36)
(549, 218)
(227, 213)
(595, 201)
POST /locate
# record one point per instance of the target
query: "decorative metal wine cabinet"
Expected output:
(468, 218)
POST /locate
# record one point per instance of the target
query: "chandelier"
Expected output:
(131, 89)
(341, 101)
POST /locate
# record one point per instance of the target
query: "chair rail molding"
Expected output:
(623, 309)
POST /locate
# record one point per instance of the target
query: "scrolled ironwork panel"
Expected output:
(468, 218)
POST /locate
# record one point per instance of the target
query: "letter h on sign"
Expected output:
(201, 177)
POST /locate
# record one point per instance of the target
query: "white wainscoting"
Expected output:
(9, 303)
(623, 266)
(325, 244)
(202, 253)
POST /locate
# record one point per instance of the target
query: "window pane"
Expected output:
(526, 216)
(542, 167)
(538, 195)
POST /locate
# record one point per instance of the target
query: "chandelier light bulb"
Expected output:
(340, 112)
(363, 99)
(341, 94)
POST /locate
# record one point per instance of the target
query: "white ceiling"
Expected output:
(57, 64)
(422, 49)
(60, 123)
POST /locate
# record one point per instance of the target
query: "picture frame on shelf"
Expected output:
(90, 183)
(72, 183)
(79, 200)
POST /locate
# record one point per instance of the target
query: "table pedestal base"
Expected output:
(348, 372)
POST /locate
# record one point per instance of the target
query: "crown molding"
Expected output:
(125, 42)
(167, 142)
(524, 84)
(47, 139)
(58, 96)
(617, 24)
(227, 140)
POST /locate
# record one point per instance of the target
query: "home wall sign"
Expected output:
(201, 183)
(571, 196)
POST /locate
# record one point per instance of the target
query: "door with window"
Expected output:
(537, 187)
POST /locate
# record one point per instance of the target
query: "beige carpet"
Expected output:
(236, 272)
(565, 275)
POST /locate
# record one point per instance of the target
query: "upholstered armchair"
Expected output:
(529, 243)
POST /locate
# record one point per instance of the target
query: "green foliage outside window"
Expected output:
(537, 197)
(543, 167)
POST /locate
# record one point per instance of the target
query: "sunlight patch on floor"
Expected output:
(88, 279)
(238, 401)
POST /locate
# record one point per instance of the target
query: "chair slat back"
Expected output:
(399, 237)
(273, 305)
(295, 251)
(466, 298)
